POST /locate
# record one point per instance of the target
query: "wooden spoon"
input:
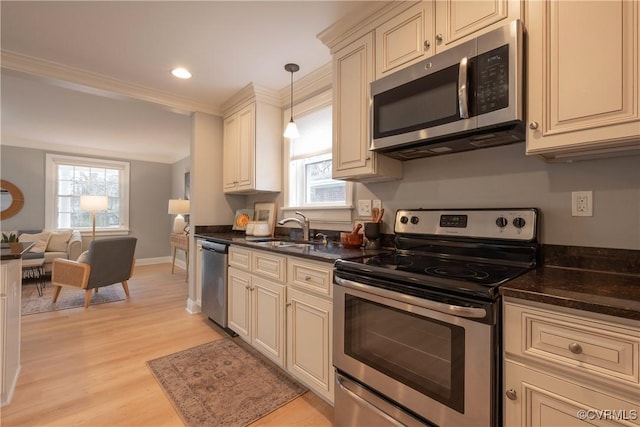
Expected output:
(379, 217)
(374, 214)
(356, 228)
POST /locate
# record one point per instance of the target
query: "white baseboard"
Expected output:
(160, 260)
(193, 307)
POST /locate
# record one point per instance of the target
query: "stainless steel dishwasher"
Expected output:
(214, 282)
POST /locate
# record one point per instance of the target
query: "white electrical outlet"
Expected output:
(376, 203)
(582, 203)
(364, 207)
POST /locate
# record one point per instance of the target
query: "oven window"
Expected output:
(422, 353)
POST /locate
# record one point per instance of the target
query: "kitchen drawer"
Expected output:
(581, 344)
(239, 257)
(316, 277)
(269, 265)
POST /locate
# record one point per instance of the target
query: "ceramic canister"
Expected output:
(262, 229)
(250, 228)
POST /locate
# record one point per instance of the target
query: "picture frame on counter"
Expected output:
(266, 211)
(241, 219)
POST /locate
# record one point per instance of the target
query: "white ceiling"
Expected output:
(133, 45)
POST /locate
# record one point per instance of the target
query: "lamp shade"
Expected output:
(94, 203)
(178, 206)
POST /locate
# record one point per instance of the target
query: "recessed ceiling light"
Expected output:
(181, 73)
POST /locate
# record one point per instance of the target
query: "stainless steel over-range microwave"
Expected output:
(470, 96)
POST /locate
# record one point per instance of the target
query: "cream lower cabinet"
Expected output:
(310, 325)
(565, 367)
(10, 307)
(588, 105)
(256, 305)
(282, 306)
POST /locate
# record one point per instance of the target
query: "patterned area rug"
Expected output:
(223, 383)
(32, 303)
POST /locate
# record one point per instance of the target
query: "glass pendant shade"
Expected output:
(291, 131)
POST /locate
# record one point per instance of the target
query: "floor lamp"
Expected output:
(179, 207)
(94, 204)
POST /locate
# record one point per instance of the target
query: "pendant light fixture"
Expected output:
(291, 131)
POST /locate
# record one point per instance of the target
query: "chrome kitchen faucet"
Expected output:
(304, 223)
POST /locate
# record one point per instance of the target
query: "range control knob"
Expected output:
(404, 219)
(415, 220)
(519, 222)
(501, 222)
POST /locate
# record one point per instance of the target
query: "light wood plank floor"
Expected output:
(87, 367)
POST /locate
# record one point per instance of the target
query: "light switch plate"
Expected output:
(364, 207)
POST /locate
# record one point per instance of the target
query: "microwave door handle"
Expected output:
(463, 92)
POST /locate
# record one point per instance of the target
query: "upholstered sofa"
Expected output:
(50, 245)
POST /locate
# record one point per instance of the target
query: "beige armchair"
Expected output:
(108, 261)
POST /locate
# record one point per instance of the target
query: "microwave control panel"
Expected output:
(492, 80)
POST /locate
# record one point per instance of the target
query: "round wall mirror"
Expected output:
(11, 199)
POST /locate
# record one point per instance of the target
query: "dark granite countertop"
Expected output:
(319, 252)
(15, 250)
(601, 292)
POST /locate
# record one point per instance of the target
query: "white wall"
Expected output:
(506, 177)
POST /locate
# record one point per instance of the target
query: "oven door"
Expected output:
(431, 358)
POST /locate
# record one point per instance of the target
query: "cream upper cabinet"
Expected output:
(431, 27)
(353, 70)
(583, 74)
(252, 143)
(458, 21)
(405, 39)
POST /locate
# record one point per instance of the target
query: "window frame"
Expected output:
(322, 215)
(51, 191)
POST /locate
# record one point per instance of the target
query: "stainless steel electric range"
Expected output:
(417, 331)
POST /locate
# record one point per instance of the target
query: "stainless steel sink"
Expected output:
(283, 244)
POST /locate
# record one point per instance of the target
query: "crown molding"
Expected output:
(249, 93)
(87, 81)
(318, 81)
(360, 22)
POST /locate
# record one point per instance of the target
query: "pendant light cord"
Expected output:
(291, 86)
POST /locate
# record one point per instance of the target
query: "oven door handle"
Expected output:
(454, 310)
(341, 383)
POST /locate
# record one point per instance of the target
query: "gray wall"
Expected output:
(150, 189)
(506, 177)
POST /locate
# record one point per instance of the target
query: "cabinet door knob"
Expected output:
(575, 348)
(511, 394)
(533, 125)
(439, 38)
(427, 44)
(288, 304)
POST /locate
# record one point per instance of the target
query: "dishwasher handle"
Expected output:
(215, 247)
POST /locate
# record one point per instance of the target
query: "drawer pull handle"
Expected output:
(511, 394)
(575, 348)
(307, 278)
